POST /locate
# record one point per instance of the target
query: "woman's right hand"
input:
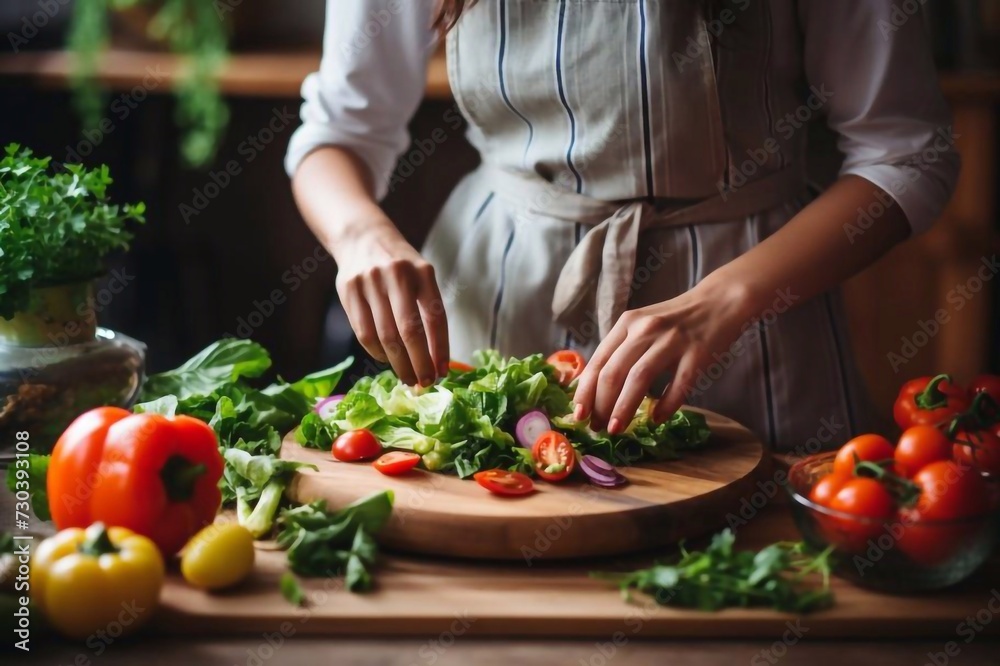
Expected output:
(393, 302)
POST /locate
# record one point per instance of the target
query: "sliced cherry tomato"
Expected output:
(827, 487)
(918, 447)
(356, 445)
(873, 448)
(979, 448)
(555, 457)
(395, 463)
(929, 401)
(568, 364)
(502, 482)
(871, 503)
(986, 384)
(458, 366)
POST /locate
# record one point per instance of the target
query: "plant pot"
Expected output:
(56, 363)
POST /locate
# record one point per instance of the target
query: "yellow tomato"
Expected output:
(218, 556)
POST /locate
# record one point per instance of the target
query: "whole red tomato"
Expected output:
(871, 504)
(979, 448)
(936, 527)
(986, 384)
(929, 401)
(871, 448)
(356, 445)
(918, 447)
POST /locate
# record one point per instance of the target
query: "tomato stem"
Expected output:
(96, 541)
(905, 491)
(932, 396)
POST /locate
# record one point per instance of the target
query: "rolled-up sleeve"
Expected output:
(370, 81)
(884, 100)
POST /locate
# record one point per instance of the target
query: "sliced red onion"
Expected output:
(598, 463)
(601, 473)
(326, 406)
(530, 427)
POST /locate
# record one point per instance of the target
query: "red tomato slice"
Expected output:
(356, 445)
(395, 463)
(568, 364)
(555, 457)
(502, 482)
(458, 366)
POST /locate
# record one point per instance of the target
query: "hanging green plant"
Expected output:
(191, 28)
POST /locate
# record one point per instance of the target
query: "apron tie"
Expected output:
(596, 280)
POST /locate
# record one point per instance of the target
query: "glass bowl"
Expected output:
(897, 555)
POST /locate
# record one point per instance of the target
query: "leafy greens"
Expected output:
(249, 422)
(722, 577)
(57, 227)
(462, 423)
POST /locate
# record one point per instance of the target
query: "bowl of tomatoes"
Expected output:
(908, 517)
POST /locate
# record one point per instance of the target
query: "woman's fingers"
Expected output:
(661, 357)
(674, 396)
(402, 294)
(360, 317)
(431, 306)
(388, 331)
(614, 375)
(586, 387)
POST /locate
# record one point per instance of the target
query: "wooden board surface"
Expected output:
(443, 515)
(437, 597)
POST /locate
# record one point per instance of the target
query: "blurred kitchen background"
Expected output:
(215, 251)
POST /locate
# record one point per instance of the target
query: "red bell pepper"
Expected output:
(156, 476)
(929, 401)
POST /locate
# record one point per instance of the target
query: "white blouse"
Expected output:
(893, 124)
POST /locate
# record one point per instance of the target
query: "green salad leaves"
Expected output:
(462, 424)
(249, 422)
(722, 577)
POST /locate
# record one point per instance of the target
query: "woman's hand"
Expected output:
(674, 338)
(393, 302)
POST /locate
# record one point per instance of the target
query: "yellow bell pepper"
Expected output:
(102, 582)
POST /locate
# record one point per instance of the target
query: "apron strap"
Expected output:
(597, 278)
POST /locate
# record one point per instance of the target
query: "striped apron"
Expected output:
(629, 149)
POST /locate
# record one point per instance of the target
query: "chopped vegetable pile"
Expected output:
(721, 577)
(463, 424)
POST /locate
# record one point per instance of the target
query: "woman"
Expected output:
(642, 195)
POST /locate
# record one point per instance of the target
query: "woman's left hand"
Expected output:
(675, 338)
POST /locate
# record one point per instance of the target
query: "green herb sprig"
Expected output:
(55, 226)
(722, 577)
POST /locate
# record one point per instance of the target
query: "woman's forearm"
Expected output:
(333, 190)
(819, 248)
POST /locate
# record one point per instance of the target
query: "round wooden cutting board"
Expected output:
(443, 515)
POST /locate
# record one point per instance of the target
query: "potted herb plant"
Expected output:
(57, 226)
